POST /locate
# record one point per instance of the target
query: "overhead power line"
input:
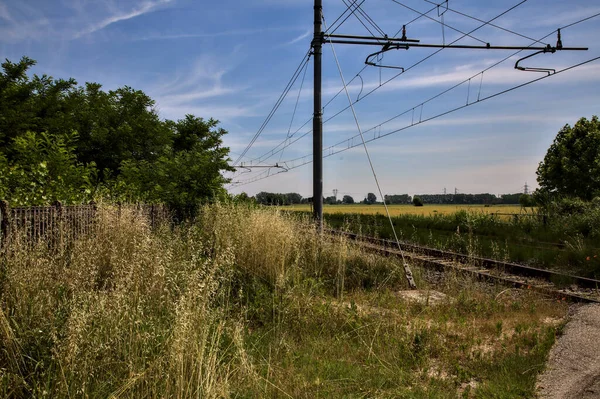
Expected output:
(291, 164)
(367, 18)
(283, 144)
(283, 95)
(407, 271)
(421, 105)
(489, 23)
(296, 105)
(439, 22)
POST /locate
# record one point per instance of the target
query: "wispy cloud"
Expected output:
(16, 28)
(566, 17)
(504, 74)
(198, 90)
(4, 13)
(144, 8)
(299, 38)
(233, 32)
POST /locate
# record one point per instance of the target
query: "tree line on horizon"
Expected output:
(267, 198)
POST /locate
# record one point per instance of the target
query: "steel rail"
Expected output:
(520, 276)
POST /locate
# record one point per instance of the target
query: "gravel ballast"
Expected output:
(573, 368)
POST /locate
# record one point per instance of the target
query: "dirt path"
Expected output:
(573, 369)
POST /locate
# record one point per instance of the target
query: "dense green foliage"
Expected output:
(60, 141)
(397, 199)
(347, 200)
(571, 166)
(371, 199)
(417, 201)
(464, 199)
(265, 198)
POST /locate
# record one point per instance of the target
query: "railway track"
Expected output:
(558, 285)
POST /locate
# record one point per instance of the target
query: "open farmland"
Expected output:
(398, 210)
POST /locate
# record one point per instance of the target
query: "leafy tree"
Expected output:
(44, 169)
(417, 201)
(526, 200)
(265, 198)
(371, 199)
(182, 176)
(56, 137)
(398, 199)
(510, 198)
(347, 200)
(571, 166)
(122, 125)
(330, 200)
(293, 198)
(243, 197)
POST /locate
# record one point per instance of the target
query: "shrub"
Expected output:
(417, 201)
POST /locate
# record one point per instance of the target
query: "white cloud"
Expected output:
(221, 113)
(145, 8)
(197, 90)
(36, 26)
(299, 38)
(557, 19)
(232, 32)
(501, 75)
(4, 13)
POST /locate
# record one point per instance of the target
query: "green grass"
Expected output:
(252, 303)
(569, 243)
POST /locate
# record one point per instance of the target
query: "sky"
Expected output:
(231, 60)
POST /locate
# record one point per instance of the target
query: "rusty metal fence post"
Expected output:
(59, 225)
(5, 223)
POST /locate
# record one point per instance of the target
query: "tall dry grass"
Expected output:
(124, 312)
(129, 312)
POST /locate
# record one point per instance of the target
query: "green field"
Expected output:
(398, 210)
(505, 232)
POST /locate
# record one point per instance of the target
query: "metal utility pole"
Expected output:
(389, 43)
(317, 45)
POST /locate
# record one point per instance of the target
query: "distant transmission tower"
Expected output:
(526, 189)
(335, 191)
(444, 190)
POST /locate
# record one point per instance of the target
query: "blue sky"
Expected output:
(230, 60)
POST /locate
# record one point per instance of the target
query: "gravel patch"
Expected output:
(573, 368)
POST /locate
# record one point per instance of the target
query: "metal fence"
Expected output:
(59, 223)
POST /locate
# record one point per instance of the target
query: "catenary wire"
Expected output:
(331, 153)
(295, 107)
(439, 22)
(287, 89)
(360, 20)
(369, 20)
(346, 17)
(275, 150)
(410, 67)
(490, 24)
(278, 103)
(407, 270)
